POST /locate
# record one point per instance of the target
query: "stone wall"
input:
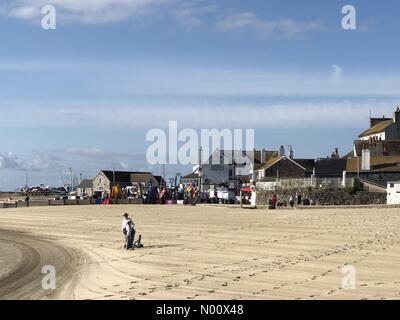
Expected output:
(326, 197)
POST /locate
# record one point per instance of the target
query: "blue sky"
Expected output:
(84, 95)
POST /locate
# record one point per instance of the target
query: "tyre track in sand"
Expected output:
(24, 281)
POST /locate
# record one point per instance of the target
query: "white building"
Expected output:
(393, 192)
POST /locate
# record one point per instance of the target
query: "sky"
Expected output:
(85, 94)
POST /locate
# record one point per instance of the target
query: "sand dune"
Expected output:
(200, 253)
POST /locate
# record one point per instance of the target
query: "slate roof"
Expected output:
(121, 176)
(330, 167)
(86, 184)
(275, 159)
(378, 164)
(308, 164)
(141, 177)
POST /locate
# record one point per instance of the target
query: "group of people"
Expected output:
(294, 199)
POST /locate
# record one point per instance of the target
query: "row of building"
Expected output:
(375, 159)
(130, 182)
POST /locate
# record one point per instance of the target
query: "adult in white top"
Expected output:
(128, 230)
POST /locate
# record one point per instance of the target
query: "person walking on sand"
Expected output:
(128, 229)
(274, 200)
(291, 201)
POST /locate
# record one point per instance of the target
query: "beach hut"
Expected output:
(248, 197)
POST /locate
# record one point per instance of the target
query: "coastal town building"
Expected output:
(278, 167)
(229, 168)
(85, 188)
(106, 179)
(191, 178)
(376, 154)
(374, 160)
(393, 192)
(382, 129)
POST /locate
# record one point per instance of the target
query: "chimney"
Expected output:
(263, 156)
(396, 116)
(335, 154)
(291, 153)
(281, 152)
(366, 160)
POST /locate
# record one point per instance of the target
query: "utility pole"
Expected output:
(200, 170)
(163, 174)
(71, 178)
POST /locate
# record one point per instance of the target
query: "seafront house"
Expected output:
(228, 168)
(85, 188)
(376, 154)
(106, 179)
(383, 129)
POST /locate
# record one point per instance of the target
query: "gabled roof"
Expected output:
(308, 164)
(273, 160)
(378, 128)
(378, 164)
(141, 177)
(121, 176)
(86, 184)
(267, 155)
(349, 155)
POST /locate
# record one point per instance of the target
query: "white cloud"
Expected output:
(339, 113)
(337, 73)
(191, 15)
(88, 152)
(8, 161)
(84, 11)
(284, 28)
(37, 162)
(25, 12)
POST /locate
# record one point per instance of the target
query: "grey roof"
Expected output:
(308, 164)
(86, 184)
(141, 177)
(330, 167)
(121, 176)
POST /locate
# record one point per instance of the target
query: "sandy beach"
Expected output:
(200, 253)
